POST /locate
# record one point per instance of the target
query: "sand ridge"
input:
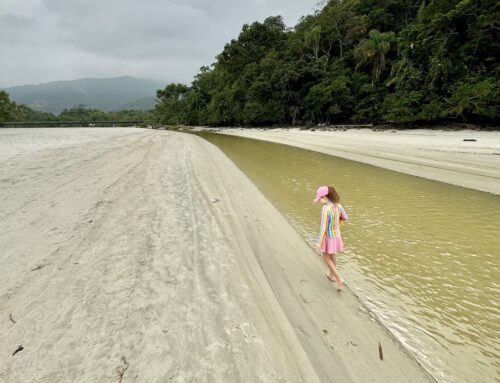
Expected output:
(149, 256)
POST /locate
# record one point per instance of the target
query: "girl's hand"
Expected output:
(317, 249)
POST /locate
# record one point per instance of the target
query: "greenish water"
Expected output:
(422, 255)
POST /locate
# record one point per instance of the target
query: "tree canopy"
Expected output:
(8, 109)
(400, 61)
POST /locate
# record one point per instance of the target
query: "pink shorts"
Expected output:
(332, 245)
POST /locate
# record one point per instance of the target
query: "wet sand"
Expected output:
(446, 156)
(140, 255)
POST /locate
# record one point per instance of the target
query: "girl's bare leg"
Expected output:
(334, 258)
(333, 270)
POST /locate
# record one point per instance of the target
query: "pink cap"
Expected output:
(321, 192)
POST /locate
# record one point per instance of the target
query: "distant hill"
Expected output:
(108, 94)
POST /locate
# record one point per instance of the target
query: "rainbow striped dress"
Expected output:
(331, 215)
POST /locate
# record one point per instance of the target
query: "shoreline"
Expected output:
(444, 156)
(158, 252)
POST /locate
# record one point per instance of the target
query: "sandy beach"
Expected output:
(465, 158)
(134, 255)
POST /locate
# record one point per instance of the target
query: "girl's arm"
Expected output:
(343, 214)
(322, 227)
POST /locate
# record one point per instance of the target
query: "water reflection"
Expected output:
(422, 254)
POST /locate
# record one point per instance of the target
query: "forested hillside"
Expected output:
(11, 112)
(400, 61)
(107, 94)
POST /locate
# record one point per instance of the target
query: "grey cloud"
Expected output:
(166, 40)
(16, 28)
(133, 29)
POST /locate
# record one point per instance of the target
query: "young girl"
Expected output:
(329, 238)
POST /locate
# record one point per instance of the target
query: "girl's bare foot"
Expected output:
(330, 277)
(340, 285)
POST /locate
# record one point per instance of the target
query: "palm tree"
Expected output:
(312, 38)
(372, 51)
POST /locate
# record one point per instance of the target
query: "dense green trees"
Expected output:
(86, 115)
(8, 108)
(448, 63)
(402, 61)
(81, 114)
(173, 104)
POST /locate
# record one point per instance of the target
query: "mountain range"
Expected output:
(107, 94)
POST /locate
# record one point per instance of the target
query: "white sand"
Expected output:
(147, 256)
(438, 155)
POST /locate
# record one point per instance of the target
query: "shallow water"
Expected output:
(423, 255)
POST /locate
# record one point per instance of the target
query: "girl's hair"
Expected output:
(333, 195)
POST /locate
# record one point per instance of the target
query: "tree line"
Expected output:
(12, 112)
(381, 61)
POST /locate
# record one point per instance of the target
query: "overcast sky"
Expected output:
(163, 40)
